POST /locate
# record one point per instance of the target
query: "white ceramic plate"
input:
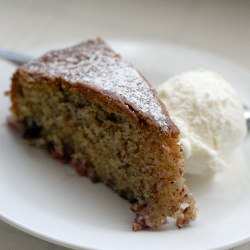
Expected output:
(45, 198)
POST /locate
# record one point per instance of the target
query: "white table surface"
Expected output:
(221, 27)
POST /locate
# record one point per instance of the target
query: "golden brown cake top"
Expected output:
(94, 64)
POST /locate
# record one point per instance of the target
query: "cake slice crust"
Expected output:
(87, 106)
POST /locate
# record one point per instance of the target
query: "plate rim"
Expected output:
(61, 242)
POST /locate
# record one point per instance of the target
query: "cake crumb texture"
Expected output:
(96, 128)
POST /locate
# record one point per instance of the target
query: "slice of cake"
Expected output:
(90, 108)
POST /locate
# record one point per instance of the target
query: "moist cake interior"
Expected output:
(106, 141)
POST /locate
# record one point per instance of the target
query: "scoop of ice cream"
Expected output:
(210, 116)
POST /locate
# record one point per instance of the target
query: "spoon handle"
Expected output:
(16, 58)
(247, 117)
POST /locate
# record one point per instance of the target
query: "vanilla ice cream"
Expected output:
(210, 116)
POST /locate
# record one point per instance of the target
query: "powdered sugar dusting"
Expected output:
(95, 64)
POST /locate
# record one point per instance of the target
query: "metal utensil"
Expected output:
(247, 117)
(16, 58)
